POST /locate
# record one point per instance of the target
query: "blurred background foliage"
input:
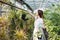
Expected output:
(14, 26)
(52, 22)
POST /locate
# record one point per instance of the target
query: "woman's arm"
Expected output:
(44, 24)
(31, 14)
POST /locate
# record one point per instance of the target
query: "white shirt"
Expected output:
(38, 22)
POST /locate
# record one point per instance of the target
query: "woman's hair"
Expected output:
(40, 13)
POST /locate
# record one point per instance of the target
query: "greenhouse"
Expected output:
(29, 19)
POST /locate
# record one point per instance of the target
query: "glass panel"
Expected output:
(40, 3)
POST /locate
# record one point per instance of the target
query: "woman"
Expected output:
(38, 33)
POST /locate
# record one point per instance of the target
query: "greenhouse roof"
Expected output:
(35, 4)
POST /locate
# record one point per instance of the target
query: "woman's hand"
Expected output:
(31, 14)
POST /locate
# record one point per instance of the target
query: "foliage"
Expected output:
(13, 27)
(20, 35)
(52, 22)
(3, 25)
